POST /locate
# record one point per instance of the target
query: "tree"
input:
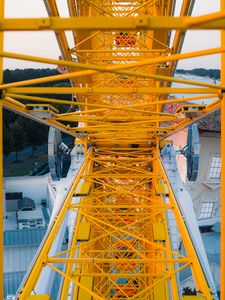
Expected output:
(8, 141)
(189, 291)
(20, 132)
(19, 137)
(212, 73)
(36, 134)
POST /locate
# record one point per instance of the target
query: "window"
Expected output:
(215, 167)
(206, 210)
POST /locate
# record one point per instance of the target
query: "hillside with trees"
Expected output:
(20, 132)
(211, 73)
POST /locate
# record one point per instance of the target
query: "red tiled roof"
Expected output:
(210, 122)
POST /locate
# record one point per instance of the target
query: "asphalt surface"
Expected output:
(27, 152)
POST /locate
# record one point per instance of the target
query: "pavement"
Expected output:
(26, 153)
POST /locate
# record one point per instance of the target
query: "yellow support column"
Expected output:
(1, 207)
(1, 161)
(121, 244)
(222, 261)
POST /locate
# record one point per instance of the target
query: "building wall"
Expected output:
(34, 187)
(215, 268)
(18, 258)
(203, 189)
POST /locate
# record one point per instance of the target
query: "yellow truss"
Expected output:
(120, 68)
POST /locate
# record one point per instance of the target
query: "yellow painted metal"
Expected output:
(222, 235)
(39, 297)
(197, 270)
(34, 107)
(120, 84)
(194, 298)
(82, 189)
(112, 90)
(161, 188)
(38, 264)
(186, 122)
(186, 9)
(1, 204)
(88, 283)
(93, 69)
(190, 107)
(52, 10)
(158, 232)
(103, 69)
(206, 18)
(161, 292)
(111, 23)
(69, 267)
(84, 231)
(20, 108)
(190, 110)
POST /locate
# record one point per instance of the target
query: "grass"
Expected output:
(23, 167)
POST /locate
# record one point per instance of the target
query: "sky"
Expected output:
(44, 43)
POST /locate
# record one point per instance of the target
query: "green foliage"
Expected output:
(8, 141)
(19, 132)
(26, 74)
(36, 134)
(19, 136)
(189, 291)
(212, 73)
(25, 167)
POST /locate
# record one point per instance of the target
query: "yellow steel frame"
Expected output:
(121, 80)
(1, 162)
(222, 247)
(212, 21)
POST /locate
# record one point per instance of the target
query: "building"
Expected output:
(206, 196)
(30, 205)
(205, 191)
